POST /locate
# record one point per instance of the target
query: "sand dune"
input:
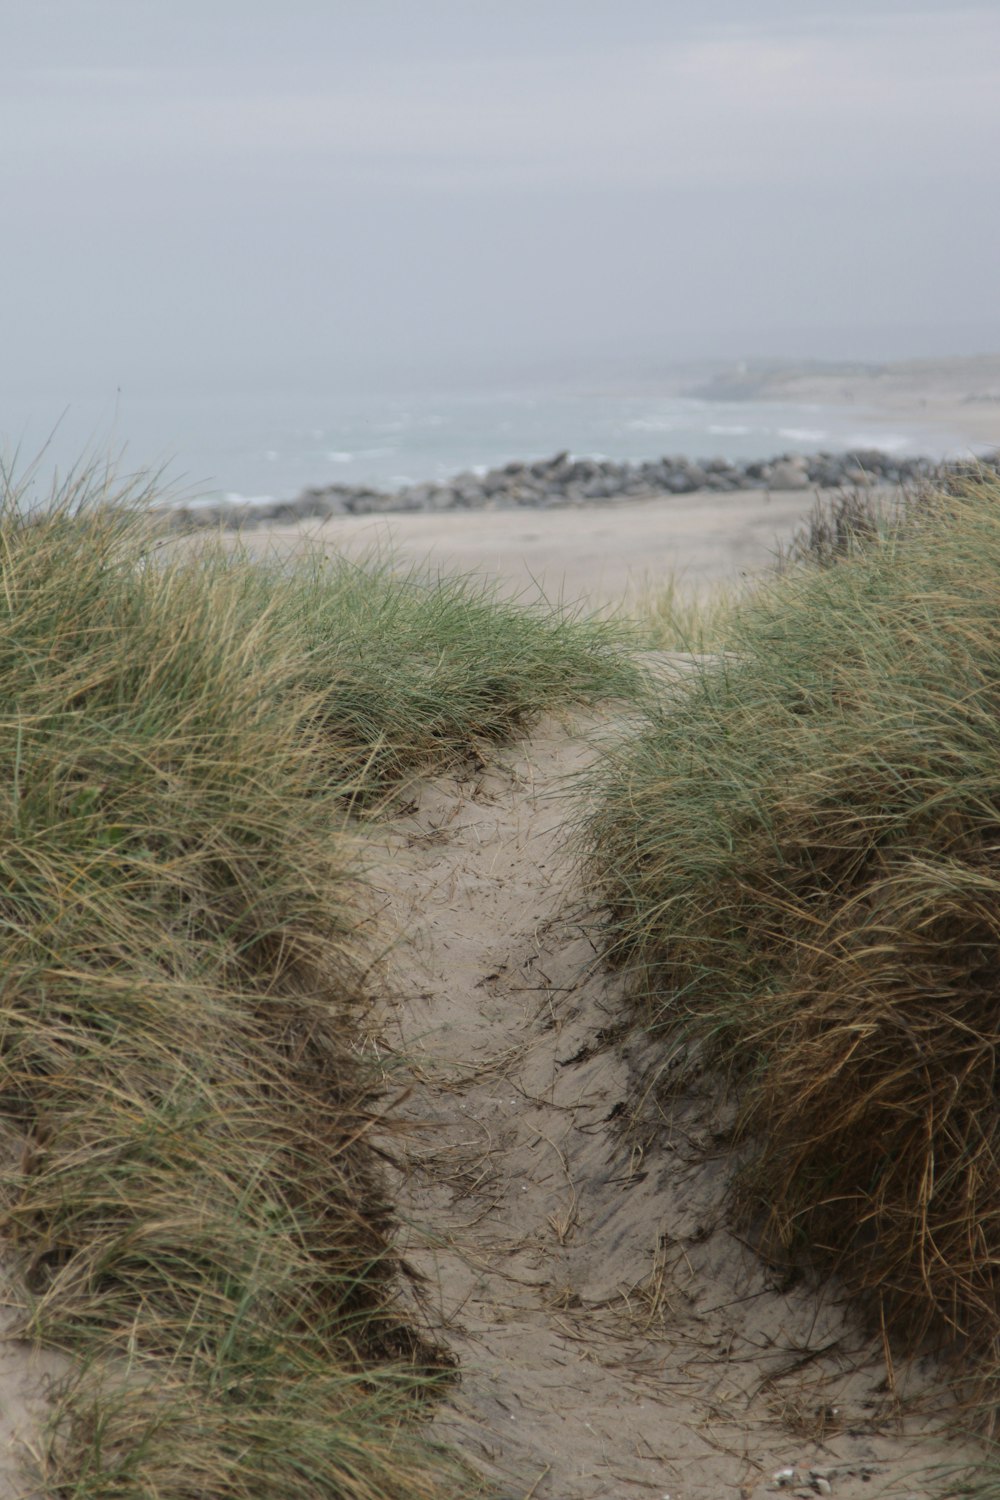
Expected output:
(615, 1338)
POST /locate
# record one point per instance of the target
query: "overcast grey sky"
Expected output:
(240, 190)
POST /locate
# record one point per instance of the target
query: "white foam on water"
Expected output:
(803, 434)
(886, 442)
(653, 424)
(339, 456)
(728, 429)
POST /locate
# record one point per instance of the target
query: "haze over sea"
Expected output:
(257, 443)
(277, 246)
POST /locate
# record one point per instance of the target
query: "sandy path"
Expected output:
(27, 1378)
(614, 1338)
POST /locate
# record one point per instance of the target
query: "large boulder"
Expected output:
(787, 474)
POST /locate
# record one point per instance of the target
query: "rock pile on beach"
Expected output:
(565, 481)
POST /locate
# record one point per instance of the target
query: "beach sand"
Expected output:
(595, 553)
(615, 1337)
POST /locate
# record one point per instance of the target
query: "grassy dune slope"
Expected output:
(188, 1202)
(410, 669)
(801, 854)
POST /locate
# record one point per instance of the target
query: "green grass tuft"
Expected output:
(410, 670)
(676, 616)
(189, 1203)
(801, 855)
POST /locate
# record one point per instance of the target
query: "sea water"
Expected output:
(274, 443)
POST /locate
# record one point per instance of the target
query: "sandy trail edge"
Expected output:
(614, 1338)
(27, 1378)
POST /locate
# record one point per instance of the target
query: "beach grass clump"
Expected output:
(411, 669)
(676, 615)
(190, 1208)
(843, 523)
(800, 851)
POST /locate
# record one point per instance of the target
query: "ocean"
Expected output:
(273, 444)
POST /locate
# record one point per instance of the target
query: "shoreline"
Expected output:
(961, 392)
(563, 481)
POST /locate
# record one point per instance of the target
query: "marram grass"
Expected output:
(801, 856)
(190, 1206)
(677, 615)
(411, 669)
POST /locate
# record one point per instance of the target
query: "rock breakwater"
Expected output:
(566, 481)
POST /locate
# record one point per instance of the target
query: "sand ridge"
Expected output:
(614, 1337)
